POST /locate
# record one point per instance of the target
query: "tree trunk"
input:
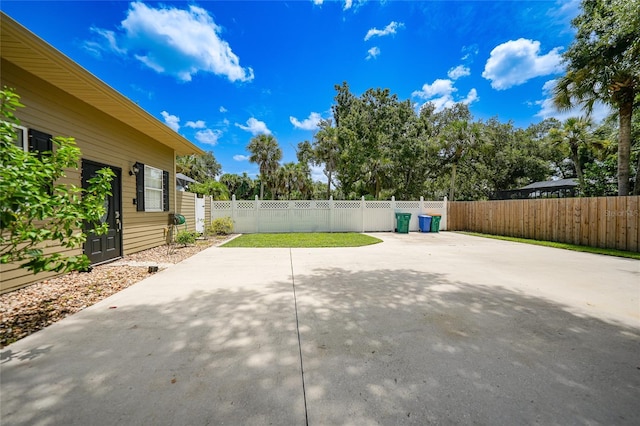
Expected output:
(624, 147)
(453, 182)
(261, 189)
(329, 185)
(579, 173)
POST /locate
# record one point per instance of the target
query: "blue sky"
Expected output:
(220, 72)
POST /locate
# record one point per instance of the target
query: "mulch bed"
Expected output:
(29, 309)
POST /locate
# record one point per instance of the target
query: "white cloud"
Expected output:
(439, 87)
(471, 97)
(441, 94)
(255, 127)
(318, 2)
(240, 157)
(389, 29)
(517, 61)
(459, 71)
(373, 53)
(208, 136)
(172, 121)
(310, 123)
(176, 42)
(347, 4)
(223, 109)
(196, 124)
(549, 110)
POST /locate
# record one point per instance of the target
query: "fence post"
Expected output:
(257, 215)
(362, 213)
(290, 214)
(421, 205)
(393, 213)
(233, 210)
(444, 214)
(331, 213)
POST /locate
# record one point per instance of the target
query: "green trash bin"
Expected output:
(435, 222)
(402, 222)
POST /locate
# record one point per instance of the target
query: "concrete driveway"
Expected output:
(421, 329)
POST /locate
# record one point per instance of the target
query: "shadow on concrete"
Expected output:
(218, 357)
(379, 347)
(407, 347)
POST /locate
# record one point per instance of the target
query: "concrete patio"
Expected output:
(420, 329)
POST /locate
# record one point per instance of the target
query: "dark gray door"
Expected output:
(101, 248)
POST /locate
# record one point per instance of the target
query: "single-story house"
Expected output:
(63, 99)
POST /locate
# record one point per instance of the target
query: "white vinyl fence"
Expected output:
(255, 216)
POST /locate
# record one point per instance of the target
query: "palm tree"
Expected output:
(326, 149)
(573, 134)
(265, 152)
(293, 181)
(603, 64)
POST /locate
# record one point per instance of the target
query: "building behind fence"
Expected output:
(256, 216)
(608, 222)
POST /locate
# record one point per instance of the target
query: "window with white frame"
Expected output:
(153, 188)
(21, 140)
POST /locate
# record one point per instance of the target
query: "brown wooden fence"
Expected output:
(610, 222)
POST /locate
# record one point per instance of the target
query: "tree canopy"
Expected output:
(379, 146)
(603, 64)
(200, 168)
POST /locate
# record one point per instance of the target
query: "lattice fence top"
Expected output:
(433, 204)
(246, 205)
(377, 204)
(326, 204)
(221, 205)
(275, 205)
(346, 204)
(407, 204)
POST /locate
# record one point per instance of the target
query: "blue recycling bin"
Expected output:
(424, 222)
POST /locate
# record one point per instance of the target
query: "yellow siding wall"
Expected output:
(102, 139)
(186, 206)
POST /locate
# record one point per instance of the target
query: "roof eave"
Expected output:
(27, 51)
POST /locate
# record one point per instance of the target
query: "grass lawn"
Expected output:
(303, 240)
(566, 246)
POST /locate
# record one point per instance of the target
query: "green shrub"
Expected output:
(221, 226)
(186, 237)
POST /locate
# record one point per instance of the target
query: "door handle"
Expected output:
(119, 225)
